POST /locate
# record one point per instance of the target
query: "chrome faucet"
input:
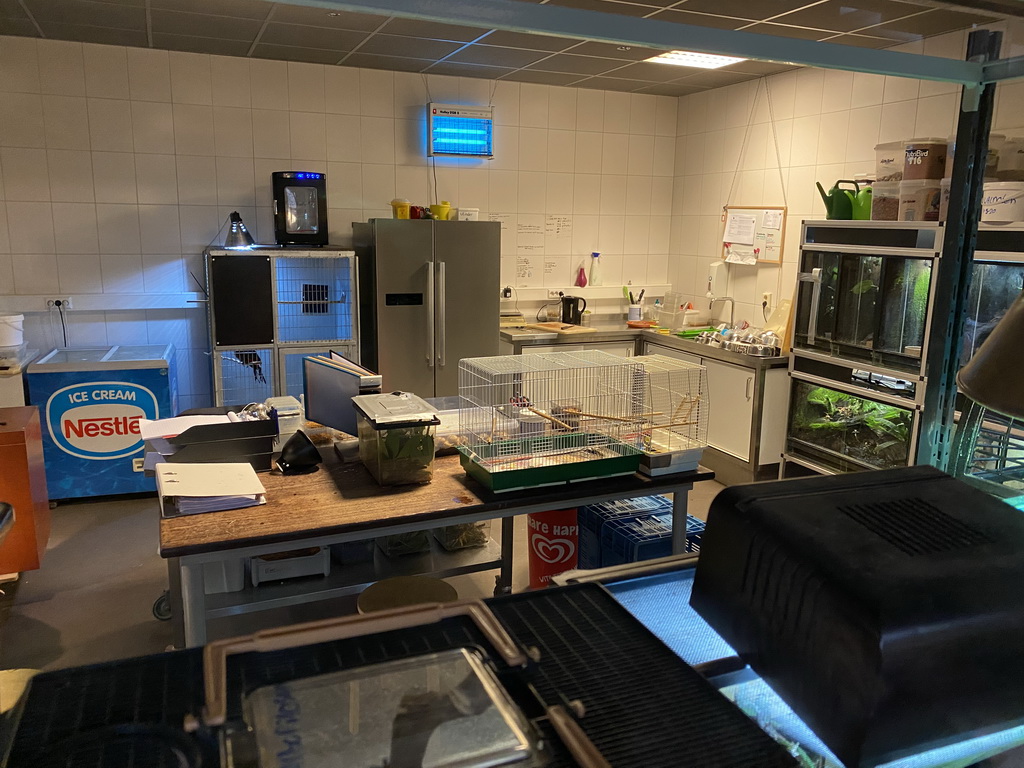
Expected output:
(732, 308)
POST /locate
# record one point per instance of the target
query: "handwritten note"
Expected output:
(530, 234)
(740, 228)
(508, 231)
(558, 227)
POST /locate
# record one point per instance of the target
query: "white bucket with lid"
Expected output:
(1002, 202)
(12, 330)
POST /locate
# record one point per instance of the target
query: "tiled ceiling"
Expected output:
(296, 33)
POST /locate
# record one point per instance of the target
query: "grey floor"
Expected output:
(91, 600)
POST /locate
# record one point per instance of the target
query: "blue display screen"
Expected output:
(461, 136)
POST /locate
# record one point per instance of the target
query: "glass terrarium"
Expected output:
(848, 432)
(994, 287)
(396, 437)
(865, 308)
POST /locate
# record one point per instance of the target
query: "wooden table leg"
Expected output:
(193, 602)
(503, 584)
(679, 499)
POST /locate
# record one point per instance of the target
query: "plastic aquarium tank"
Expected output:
(994, 287)
(840, 429)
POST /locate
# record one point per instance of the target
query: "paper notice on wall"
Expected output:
(772, 220)
(771, 248)
(508, 231)
(739, 228)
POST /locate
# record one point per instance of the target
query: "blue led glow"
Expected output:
(461, 136)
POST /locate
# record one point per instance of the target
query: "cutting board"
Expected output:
(561, 328)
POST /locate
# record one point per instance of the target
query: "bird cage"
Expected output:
(529, 420)
(675, 394)
(988, 452)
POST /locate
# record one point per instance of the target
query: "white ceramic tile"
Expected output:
(665, 119)
(232, 131)
(118, 228)
(412, 183)
(122, 273)
(410, 141)
(561, 151)
(191, 78)
(308, 136)
(444, 179)
(159, 230)
(611, 232)
(506, 148)
(410, 94)
(474, 186)
(640, 156)
(833, 131)
(5, 235)
(749, 188)
(693, 163)
(376, 93)
(193, 129)
(643, 112)
(532, 192)
(897, 120)
(79, 273)
(616, 112)
(809, 86)
(533, 149)
(661, 196)
(74, 228)
(378, 185)
(268, 84)
(110, 125)
(61, 68)
(376, 139)
(900, 89)
(21, 120)
(714, 190)
(106, 71)
(152, 127)
(113, 175)
(156, 178)
(533, 105)
(691, 196)
(230, 81)
(837, 92)
(658, 241)
(70, 173)
(800, 190)
(863, 135)
(149, 75)
(638, 195)
(506, 103)
(35, 273)
(306, 87)
(586, 193)
(271, 133)
(636, 234)
(613, 195)
(804, 149)
(262, 170)
(936, 115)
(235, 181)
(472, 90)
(585, 235)
(165, 273)
(19, 63)
(615, 153)
(66, 121)
(714, 154)
(503, 191)
(697, 113)
(589, 110)
(562, 106)
(867, 90)
(341, 86)
(196, 180)
(559, 193)
(128, 327)
(24, 173)
(199, 226)
(31, 227)
(588, 151)
(718, 110)
(443, 89)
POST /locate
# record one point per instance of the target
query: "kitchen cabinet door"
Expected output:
(675, 354)
(731, 395)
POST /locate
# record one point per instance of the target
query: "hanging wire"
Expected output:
(63, 325)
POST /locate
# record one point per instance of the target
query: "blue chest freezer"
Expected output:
(90, 401)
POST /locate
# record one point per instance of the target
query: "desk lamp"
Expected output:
(299, 456)
(238, 236)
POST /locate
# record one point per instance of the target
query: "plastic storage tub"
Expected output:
(592, 518)
(919, 200)
(396, 437)
(925, 159)
(463, 536)
(645, 538)
(885, 201)
(1002, 202)
(889, 158)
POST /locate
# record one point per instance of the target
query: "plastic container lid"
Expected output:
(889, 145)
(928, 140)
(910, 185)
(886, 188)
(395, 409)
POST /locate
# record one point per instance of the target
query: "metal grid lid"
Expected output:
(395, 409)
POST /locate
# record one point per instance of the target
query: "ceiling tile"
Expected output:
(194, 44)
(670, 89)
(321, 17)
(432, 30)
(845, 16)
(748, 9)
(626, 9)
(758, 67)
(87, 13)
(495, 56)
(222, 27)
(468, 70)
(609, 51)
(295, 53)
(544, 78)
(860, 41)
(656, 73)
(781, 30)
(300, 36)
(18, 27)
(11, 9)
(409, 47)
(715, 78)
(524, 40)
(245, 9)
(102, 35)
(394, 63)
(702, 19)
(582, 65)
(926, 24)
(611, 84)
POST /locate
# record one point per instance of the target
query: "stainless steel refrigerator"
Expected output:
(428, 297)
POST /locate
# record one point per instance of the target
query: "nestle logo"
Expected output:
(101, 427)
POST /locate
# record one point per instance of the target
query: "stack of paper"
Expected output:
(189, 489)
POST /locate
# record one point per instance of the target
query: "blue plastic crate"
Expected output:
(645, 538)
(592, 517)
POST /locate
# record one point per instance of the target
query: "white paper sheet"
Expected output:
(148, 429)
(772, 220)
(739, 228)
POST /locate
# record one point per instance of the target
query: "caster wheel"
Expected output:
(501, 589)
(162, 607)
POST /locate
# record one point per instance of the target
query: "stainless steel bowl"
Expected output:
(762, 350)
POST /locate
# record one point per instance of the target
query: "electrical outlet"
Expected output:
(766, 299)
(553, 294)
(65, 302)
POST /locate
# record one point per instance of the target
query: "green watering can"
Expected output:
(844, 204)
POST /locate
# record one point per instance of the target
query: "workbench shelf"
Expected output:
(354, 578)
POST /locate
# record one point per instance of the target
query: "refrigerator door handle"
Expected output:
(430, 314)
(442, 298)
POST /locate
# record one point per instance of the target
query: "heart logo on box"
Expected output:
(552, 550)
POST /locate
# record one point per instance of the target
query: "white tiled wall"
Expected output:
(118, 165)
(826, 124)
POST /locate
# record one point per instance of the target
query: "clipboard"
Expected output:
(768, 237)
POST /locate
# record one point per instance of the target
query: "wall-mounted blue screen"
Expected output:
(461, 136)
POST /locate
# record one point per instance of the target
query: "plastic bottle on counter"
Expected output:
(595, 269)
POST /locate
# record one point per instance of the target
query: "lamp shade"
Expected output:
(994, 377)
(298, 456)
(238, 236)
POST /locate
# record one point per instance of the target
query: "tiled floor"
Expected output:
(91, 601)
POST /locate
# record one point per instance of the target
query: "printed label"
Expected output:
(100, 419)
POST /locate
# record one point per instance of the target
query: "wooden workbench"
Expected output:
(341, 503)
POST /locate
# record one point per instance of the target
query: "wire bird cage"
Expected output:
(988, 452)
(314, 298)
(675, 396)
(247, 375)
(546, 419)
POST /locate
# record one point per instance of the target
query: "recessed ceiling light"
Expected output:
(624, 48)
(333, 13)
(691, 59)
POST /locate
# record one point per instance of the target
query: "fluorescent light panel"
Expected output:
(691, 59)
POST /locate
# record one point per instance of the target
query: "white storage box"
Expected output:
(314, 561)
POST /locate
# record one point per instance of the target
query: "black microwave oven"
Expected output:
(300, 208)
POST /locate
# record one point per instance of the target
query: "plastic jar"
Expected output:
(924, 159)
(945, 186)
(1002, 202)
(919, 199)
(885, 201)
(889, 158)
(1011, 160)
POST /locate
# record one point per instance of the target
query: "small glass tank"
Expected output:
(994, 287)
(848, 432)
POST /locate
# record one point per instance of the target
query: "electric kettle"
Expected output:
(572, 309)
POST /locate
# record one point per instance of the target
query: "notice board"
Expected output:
(753, 234)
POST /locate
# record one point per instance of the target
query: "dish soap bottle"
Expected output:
(595, 269)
